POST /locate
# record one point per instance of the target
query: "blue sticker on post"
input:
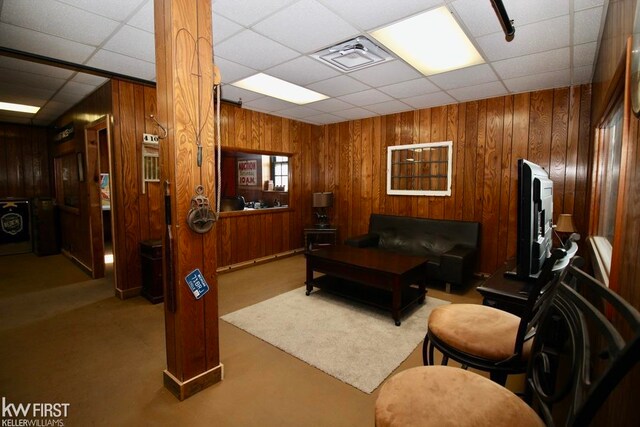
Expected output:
(196, 283)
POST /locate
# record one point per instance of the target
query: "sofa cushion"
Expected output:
(417, 244)
(437, 244)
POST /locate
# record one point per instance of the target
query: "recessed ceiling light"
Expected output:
(432, 42)
(20, 108)
(277, 88)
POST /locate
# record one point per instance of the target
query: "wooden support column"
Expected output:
(184, 65)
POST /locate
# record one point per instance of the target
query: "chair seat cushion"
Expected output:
(447, 396)
(478, 330)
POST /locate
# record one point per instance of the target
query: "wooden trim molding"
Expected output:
(184, 389)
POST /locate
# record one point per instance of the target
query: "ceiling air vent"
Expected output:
(354, 54)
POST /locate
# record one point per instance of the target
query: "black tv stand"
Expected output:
(506, 290)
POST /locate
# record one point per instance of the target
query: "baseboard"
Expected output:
(128, 293)
(251, 263)
(185, 389)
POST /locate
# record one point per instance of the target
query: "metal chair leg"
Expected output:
(425, 348)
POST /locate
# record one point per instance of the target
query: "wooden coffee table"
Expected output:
(371, 276)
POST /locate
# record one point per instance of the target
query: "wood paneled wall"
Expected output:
(246, 237)
(548, 127)
(621, 407)
(137, 216)
(24, 161)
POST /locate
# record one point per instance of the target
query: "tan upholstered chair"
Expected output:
(573, 333)
(487, 338)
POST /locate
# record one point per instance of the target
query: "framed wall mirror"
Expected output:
(252, 181)
(420, 169)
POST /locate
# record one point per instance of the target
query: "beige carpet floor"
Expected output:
(66, 338)
(355, 343)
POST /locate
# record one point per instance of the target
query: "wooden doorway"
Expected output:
(101, 207)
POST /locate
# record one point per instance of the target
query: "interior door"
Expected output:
(92, 152)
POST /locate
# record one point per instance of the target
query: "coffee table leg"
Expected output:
(422, 286)
(309, 281)
(396, 301)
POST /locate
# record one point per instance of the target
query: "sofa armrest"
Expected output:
(456, 265)
(363, 240)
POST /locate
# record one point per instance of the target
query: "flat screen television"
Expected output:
(535, 220)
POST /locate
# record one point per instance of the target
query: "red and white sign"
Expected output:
(247, 173)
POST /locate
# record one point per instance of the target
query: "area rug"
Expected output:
(356, 344)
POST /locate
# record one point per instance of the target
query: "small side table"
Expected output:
(504, 293)
(314, 237)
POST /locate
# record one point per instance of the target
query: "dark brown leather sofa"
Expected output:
(450, 246)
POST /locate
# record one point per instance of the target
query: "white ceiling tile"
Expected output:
(429, 100)
(582, 75)
(25, 92)
(319, 23)
(223, 28)
(388, 72)
(486, 90)
(463, 77)
(370, 14)
(9, 63)
(77, 88)
(477, 16)
(298, 112)
(389, 107)
(232, 72)
(39, 81)
(67, 98)
(62, 21)
(481, 19)
(144, 48)
(323, 119)
(90, 79)
(532, 38)
(114, 9)
(337, 86)
(254, 50)
(586, 4)
(543, 62)
(366, 97)
(235, 94)
(330, 105)
(58, 106)
(268, 104)
(143, 19)
(586, 25)
(110, 61)
(409, 88)
(248, 12)
(584, 54)
(43, 44)
(540, 81)
(302, 71)
(355, 113)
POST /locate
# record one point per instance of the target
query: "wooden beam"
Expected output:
(184, 65)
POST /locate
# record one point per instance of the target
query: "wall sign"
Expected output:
(196, 283)
(247, 173)
(65, 134)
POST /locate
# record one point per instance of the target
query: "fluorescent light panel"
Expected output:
(277, 88)
(20, 108)
(432, 42)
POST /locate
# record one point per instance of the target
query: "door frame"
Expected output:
(96, 227)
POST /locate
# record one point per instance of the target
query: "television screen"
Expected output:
(535, 219)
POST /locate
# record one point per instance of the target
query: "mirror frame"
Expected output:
(422, 192)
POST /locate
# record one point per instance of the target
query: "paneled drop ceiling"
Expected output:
(555, 45)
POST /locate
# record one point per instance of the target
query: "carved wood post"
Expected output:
(184, 51)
